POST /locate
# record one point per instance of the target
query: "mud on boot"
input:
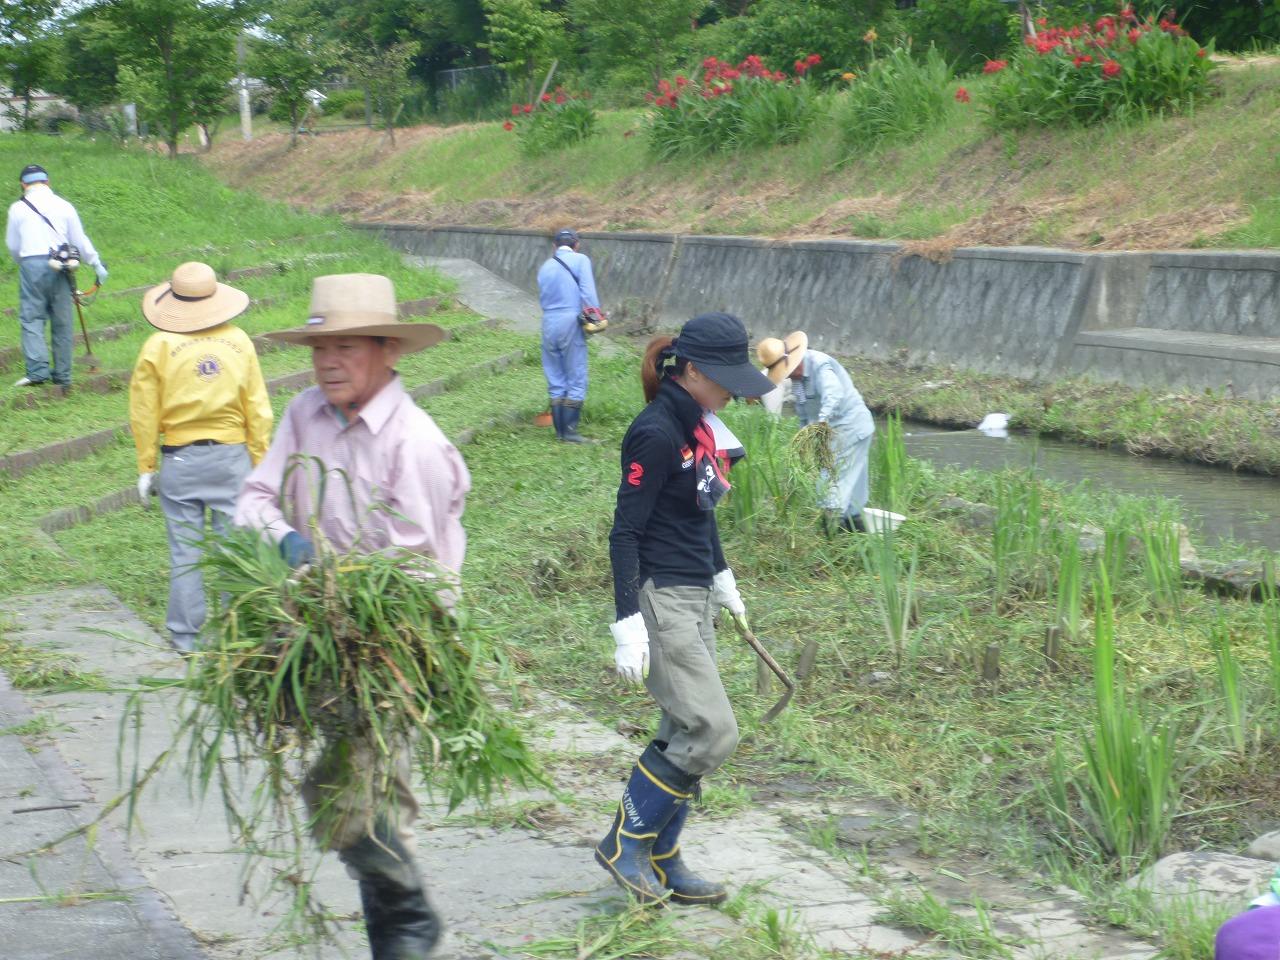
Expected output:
(656, 790)
(685, 885)
(400, 922)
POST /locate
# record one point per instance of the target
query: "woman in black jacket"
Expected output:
(669, 579)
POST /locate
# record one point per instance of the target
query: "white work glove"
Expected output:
(724, 590)
(101, 271)
(632, 655)
(145, 482)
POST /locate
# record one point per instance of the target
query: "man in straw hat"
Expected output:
(824, 393)
(358, 462)
(197, 384)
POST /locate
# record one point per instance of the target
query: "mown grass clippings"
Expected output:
(970, 936)
(39, 669)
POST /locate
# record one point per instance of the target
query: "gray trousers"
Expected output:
(697, 720)
(44, 294)
(195, 482)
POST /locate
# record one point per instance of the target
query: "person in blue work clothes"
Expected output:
(824, 393)
(670, 578)
(566, 290)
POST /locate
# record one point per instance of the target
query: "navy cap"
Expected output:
(33, 173)
(566, 238)
(717, 343)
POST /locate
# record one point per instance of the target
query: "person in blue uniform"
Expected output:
(566, 288)
(670, 578)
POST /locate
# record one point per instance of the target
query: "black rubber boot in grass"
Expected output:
(572, 413)
(656, 790)
(557, 416)
(398, 919)
(685, 885)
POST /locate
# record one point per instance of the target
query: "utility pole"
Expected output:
(246, 115)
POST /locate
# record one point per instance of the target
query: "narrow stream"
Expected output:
(1217, 504)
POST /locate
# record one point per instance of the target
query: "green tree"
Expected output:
(384, 74)
(622, 31)
(176, 60)
(785, 30)
(27, 66)
(88, 62)
(291, 58)
(521, 35)
(966, 32)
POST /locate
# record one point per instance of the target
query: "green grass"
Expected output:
(969, 936)
(1214, 169)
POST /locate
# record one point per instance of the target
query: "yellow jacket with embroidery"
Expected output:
(198, 386)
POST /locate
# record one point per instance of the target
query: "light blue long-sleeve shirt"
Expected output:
(562, 297)
(826, 394)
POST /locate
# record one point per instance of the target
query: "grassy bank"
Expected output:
(1202, 427)
(1203, 179)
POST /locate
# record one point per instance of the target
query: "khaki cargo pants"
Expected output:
(697, 721)
(346, 792)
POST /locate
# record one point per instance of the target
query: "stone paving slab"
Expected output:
(498, 886)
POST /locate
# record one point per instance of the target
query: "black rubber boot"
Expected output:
(685, 885)
(853, 523)
(400, 922)
(557, 416)
(656, 790)
(571, 411)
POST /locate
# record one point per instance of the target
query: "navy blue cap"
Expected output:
(33, 173)
(717, 343)
(566, 238)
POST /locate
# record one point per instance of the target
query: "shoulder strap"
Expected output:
(557, 260)
(55, 229)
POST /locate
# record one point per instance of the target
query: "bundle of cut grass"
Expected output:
(359, 646)
(813, 447)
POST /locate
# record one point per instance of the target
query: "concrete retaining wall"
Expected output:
(1008, 310)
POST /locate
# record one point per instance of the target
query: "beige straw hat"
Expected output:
(359, 305)
(192, 300)
(781, 357)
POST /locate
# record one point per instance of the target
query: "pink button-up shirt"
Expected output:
(386, 479)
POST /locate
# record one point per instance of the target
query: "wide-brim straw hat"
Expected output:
(781, 357)
(192, 300)
(358, 305)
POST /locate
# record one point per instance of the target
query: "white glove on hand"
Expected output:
(724, 589)
(632, 655)
(145, 482)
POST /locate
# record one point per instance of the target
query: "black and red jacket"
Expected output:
(659, 532)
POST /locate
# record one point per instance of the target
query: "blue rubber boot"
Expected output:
(685, 885)
(656, 790)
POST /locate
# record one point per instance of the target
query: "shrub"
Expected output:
(339, 102)
(560, 120)
(733, 108)
(897, 99)
(1119, 67)
(967, 32)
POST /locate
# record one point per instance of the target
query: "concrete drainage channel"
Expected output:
(1180, 320)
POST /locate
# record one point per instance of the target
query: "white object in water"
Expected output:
(881, 521)
(995, 425)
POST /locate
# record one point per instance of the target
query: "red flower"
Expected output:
(515, 109)
(1042, 22)
(1110, 68)
(801, 67)
(1080, 60)
(527, 108)
(962, 95)
(1104, 23)
(1134, 35)
(561, 98)
(682, 81)
(813, 59)
(1202, 52)
(994, 66)
(779, 76)
(508, 125)
(1126, 12)
(546, 98)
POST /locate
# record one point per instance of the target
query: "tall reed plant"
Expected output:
(768, 485)
(1070, 585)
(898, 98)
(1232, 687)
(895, 477)
(1159, 541)
(1017, 539)
(1271, 629)
(1123, 801)
(895, 588)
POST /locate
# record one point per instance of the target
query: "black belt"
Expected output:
(193, 443)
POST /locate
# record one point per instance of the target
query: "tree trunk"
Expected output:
(172, 140)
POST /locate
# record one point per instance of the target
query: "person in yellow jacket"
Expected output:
(198, 385)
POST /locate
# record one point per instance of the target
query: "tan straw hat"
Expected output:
(192, 300)
(359, 305)
(781, 357)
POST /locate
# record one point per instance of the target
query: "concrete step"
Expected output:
(1235, 365)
